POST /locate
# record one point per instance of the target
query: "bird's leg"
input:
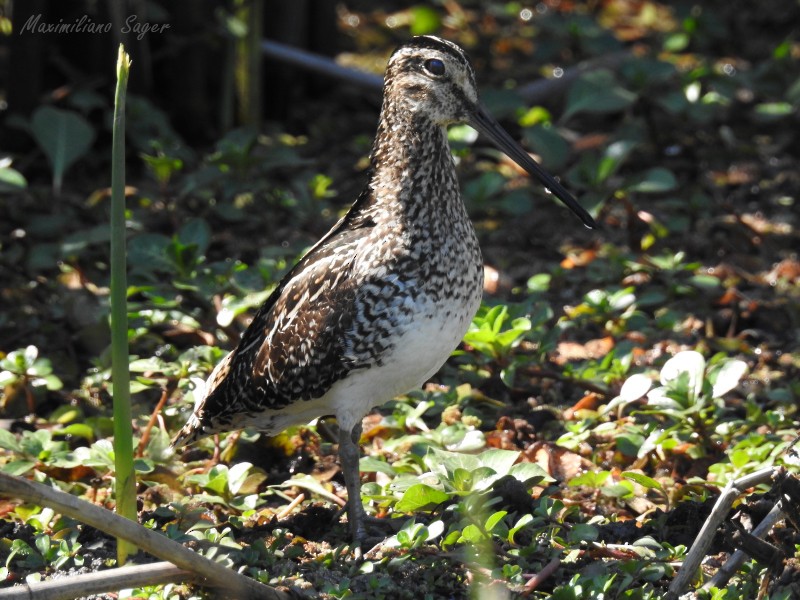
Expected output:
(349, 456)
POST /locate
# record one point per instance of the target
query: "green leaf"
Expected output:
(307, 482)
(690, 362)
(652, 181)
(494, 519)
(472, 535)
(18, 467)
(529, 473)
(519, 525)
(613, 157)
(535, 115)
(727, 377)
(197, 232)
(549, 144)
(370, 464)
(79, 430)
(444, 464)
(237, 475)
(11, 180)
(500, 461)
(9, 441)
(143, 465)
(643, 480)
(773, 110)
(64, 136)
(424, 20)
(147, 253)
(421, 497)
(582, 532)
(597, 92)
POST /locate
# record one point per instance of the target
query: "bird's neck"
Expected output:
(411, 159)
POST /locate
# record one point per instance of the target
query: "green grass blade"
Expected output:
(125, 489)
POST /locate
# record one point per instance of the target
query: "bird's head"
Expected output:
(433, 79)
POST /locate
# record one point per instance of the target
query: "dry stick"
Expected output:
(230, 584)
(736, 559)
(703, 541)
(537, 91)
(541, 576)
(87, 584)
(165, 393)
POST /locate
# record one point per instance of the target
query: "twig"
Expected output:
(321, 64)
(706, 536)
(165, 394)
(736, 559)
(292, 505)
(86, 584)
(533, 93)
(230, 584)
(541, 576)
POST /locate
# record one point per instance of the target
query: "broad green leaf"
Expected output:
(652, 181)
(18, 467)
(197, 232)
(535, 115)
(500, 461)
(773, 110)
(523, 521)
(471, 534)
(549, 144)
(690, 362)
(444, 464)
(9, 441)
(421, 497)
(494, 519)
(370, 464)
(527, 471)
(237, 475)
(597, 92)
(307, 482)
(704, 281)
(582, 532)
(64, 136)
(728, 376)
(217, 479)
(635, 387)
(147, 253)
(143, 465)
(463, 134)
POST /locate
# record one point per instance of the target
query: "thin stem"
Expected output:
(125, 489)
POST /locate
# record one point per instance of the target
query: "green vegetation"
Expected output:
(611, 384)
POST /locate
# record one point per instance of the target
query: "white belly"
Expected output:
(418, 353)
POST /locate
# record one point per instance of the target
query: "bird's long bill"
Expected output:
(488, 126)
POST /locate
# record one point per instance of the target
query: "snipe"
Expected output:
(378, 304)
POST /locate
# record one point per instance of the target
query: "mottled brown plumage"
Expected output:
(380, 302)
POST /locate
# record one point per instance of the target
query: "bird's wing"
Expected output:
(303, 337)
(296, 346)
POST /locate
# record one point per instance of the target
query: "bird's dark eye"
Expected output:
(434, 66)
